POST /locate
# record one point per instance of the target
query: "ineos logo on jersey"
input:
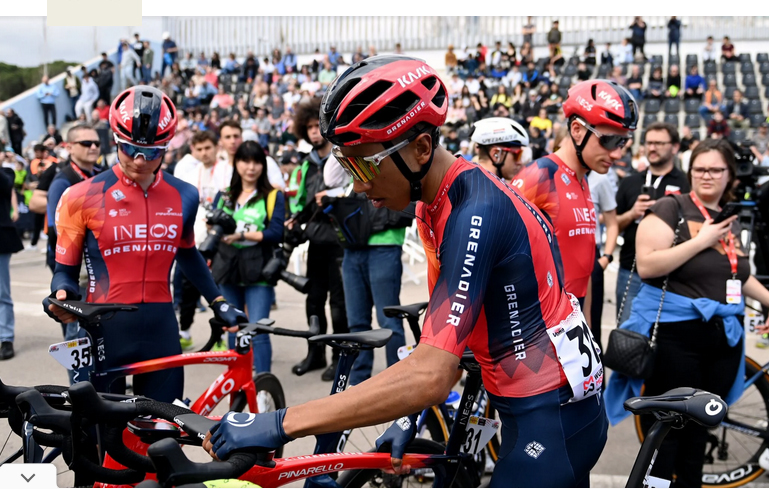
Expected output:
(139, 231)
(610, 101)
(242, 423)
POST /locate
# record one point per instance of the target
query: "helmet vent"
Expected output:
(429, 83)
(440, 97)
(392, 112)
(362, 101)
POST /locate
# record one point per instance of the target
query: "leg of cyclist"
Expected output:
(258, 301)
(158, 337)
(385, 271)
(547, 444)
(358, 303)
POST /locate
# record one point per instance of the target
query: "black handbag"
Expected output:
(631, 353)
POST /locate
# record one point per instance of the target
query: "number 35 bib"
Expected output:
(578, 353)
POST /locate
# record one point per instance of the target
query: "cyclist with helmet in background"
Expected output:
(131, 222)
(496, 287)
(601, 117)
(502, 146)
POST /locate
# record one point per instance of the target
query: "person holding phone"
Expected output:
(700, 339)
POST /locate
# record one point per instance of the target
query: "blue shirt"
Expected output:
(47, 93)
(694, 81)
(333, 58)
(169, 44)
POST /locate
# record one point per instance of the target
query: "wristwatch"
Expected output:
(608, 257)
(242, 236)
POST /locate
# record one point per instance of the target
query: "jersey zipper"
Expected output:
(146, 251)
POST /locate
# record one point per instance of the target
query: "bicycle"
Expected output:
(738, 449)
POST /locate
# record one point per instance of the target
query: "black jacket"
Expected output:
(9, 239)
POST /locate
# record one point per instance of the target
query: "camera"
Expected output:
(275, 269)
(221, 224)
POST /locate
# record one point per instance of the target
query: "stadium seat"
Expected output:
(671, 119)
(563, 92)
(623, 68)
(691, 60)
(738, 135)
(652, 106)
(650, 119)
(696, 134)
(754, 107)
(657, 59)
(641, 68)
(674, 59)
(570, 71)
(747, 67)
(654, 67)
(565, 82)
(692, 120)
(692, 106)
(711, 76)
(730, 67)
(729, 92)
(730, 80)
(764, 67)
(756, 120)
(751, 93)
(603, 71)
(762, 57)
(744, 57)
(749, 80)
(672, 106)
(574, 61)
(710, 68)
(765, 79)
(766, 92)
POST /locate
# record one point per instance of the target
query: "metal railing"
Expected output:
(305, 34)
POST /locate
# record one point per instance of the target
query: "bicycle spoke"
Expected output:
(6, 442)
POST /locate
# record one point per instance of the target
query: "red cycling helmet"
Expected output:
(380, 99)
(602, 102)
(144, 116)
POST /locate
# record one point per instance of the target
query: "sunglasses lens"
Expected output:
(88, 144)
(357, 167)
(133, 151)
(613, 142)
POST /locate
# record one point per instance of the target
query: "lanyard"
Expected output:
(730, 249)
(77, 170)
(656, 182)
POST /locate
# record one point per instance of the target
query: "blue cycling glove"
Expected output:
(239, 431)
(399, 435)
(227, 313)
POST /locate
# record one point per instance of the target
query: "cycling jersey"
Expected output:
(495, 284)
(554, 188)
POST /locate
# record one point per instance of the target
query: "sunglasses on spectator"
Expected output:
(366, 168)
(131, 150)
(88, 144)
(714, 172)
(609, 142)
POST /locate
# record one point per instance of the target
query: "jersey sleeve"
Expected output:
(56, 189)
(538, 187)
(467, 255)
(71, 224)
(190, 202)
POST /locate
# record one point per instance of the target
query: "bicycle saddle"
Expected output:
(373, 339)
(413, 310)
(701, 406)
(90, 312)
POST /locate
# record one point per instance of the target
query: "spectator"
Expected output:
(656, 87)
(635, 83)
(530, 76)
(465, 151)
(694, 85)
(512, 55)
(718, 127)
(638, 36)
(138, 46)
(583, 73)
(327, 74)
(527, 54)
(451, 142)
(5, 135)
(639, 162)
(16, 130)
(473, 84)
(617, 77)
(537, 143)
(712, 101)
(590, 53)
(103, 109)
(450, 59)
(674, 36)
(699, 349)
(249, 69)
(530, 108)
(216, 62)
(231, 66)
(554, 41)
(709, 51)
(46, 94)
(187, 66)
(129, 60)
(170, 52)
(105, 78)
(673, 85)
(289, 61)
(737, 112)
(606, 57)
(333, 57)
(528, 31)
(541, 122)
(263, 127)
(72, 86)
(52, 132)
(551, 99)
(89, 97)
(496, 57)
(222, 100)
(9, 244)
(202, 61)
(685, 157)
(625, 53)
(727, 50)
(456, 114)
(761, 138)
(501, 97)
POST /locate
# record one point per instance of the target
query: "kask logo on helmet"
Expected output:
(410, 77)
(162, 124)
(124, 115)
(607, 97)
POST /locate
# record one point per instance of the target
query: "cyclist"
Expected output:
(495, 284)
(556, 183)
(502, 145)
(131, 222)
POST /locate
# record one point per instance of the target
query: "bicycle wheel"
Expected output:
(417, 477)
(732, 451)
(269, 397)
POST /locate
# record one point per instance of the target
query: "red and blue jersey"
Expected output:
(555, 189)
(128, 237)
(495, 281)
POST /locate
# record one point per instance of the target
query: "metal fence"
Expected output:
(305, 34)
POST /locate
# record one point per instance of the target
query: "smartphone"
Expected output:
(647, 190)
(728, 210)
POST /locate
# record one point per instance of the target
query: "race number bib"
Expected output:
(752, 319)
(578, 353)
(405, 351)
(478, 433)
(73, 354)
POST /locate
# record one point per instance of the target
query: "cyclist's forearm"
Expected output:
(194, 267)
(403, 389)
(612, 231)
(66, 277)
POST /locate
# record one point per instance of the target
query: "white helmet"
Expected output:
(499, 130)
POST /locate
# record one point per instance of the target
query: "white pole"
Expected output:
(45, 48)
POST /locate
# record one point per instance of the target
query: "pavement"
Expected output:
(35, 332)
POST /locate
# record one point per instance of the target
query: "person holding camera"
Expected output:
(693, 292)
(251, 214)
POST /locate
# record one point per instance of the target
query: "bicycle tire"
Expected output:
(359, 477)
(269, 385)
(751, 407)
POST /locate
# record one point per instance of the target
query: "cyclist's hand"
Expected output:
(240, 431)
(641, 204)
(762, 329)
(399, 435)
(228, 314)
(57, 313)
(711, 233)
